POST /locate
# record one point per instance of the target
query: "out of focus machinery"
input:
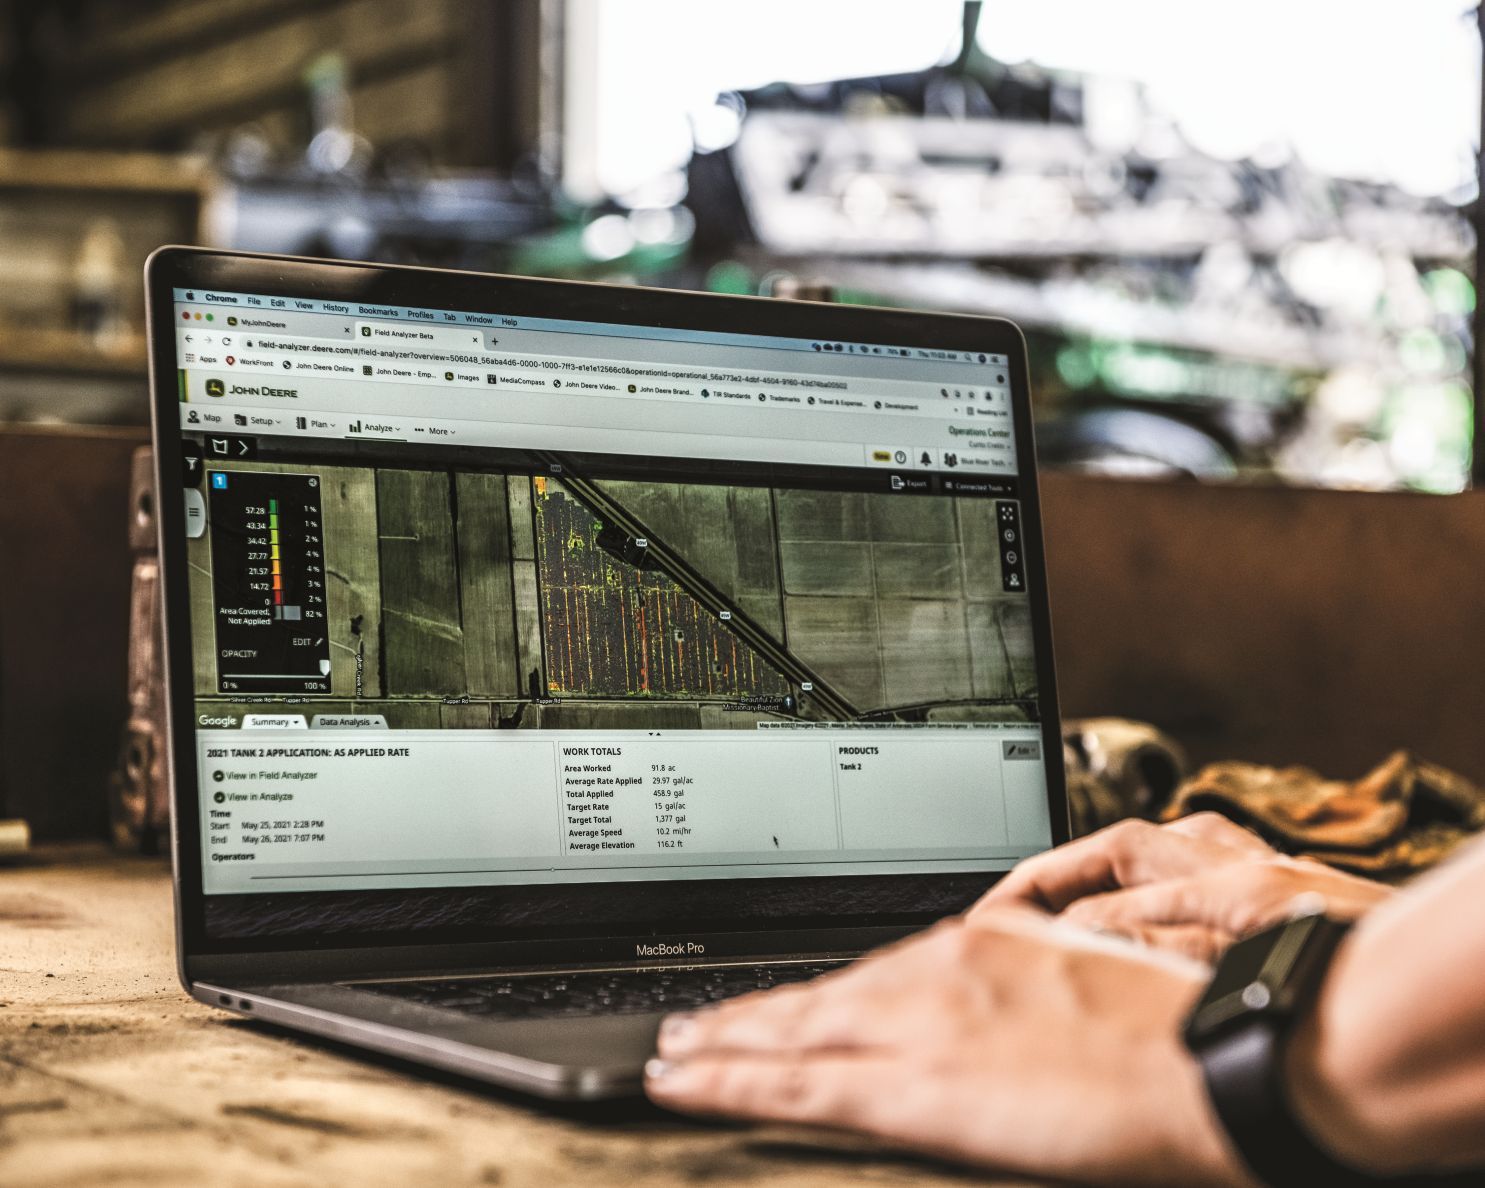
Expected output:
(1187, 314)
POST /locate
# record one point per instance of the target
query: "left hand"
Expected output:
(1194, 886)
(1016, 1043)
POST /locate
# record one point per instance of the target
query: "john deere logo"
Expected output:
(215, 387)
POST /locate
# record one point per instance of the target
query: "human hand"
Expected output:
(1193, 886)
(1128, 854)
(1016, 1043)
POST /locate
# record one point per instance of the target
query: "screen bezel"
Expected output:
(172, 267)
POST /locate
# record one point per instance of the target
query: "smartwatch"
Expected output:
(1238, 1032)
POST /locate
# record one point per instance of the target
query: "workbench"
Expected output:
(109, 1073)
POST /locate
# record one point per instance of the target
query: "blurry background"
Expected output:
(1239, 237)
(1240, 240)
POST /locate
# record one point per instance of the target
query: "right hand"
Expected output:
(1194, 886)
(1013, 1043)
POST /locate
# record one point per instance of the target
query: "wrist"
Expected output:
(1207, 1155)
(1336, 1087)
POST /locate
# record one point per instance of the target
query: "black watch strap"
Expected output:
(1243, 1075)
(1243, 1065)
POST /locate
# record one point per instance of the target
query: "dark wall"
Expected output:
(1278, 625)
(64, 615)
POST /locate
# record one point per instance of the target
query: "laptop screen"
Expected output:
(486, 600)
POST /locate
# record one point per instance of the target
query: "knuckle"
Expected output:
(793, 1091)
(1130, 832)
(1262, 890)
(962, 944)
(782, 1015)
(956, 940)
(1188, 899)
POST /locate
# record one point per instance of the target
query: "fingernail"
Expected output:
(657, 1069)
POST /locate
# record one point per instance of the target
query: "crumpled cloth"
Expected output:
(1403, 817)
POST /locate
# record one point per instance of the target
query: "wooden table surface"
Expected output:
(110, 1074)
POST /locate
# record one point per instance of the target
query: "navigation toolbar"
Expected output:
(967, 456)
(293, 366)
(440, 356)
(215, 307)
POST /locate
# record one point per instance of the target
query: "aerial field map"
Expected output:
(482, 599)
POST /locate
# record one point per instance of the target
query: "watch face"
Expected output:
(1240, 966)
(1254, 977)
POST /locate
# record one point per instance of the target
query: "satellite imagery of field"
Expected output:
(469, 599)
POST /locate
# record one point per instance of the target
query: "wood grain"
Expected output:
(110, 1074)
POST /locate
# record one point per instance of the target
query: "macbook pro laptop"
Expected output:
(543, 657)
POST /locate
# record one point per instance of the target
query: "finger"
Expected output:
(834, 1011)
(1214, 827)
(1196, 941)
(1188, 901)
(769, 1020)
(1091, 864)
(820, 1090)
(1238, 900)
(1123, 855)
(883, 1096)
(830, 1012)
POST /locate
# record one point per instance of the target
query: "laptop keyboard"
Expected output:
(623, 992)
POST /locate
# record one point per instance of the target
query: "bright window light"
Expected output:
(1385, 90)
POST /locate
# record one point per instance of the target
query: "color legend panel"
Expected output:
(268, 576)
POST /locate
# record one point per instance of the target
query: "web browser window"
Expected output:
(486, 601)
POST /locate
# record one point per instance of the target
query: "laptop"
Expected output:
(543, 657)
